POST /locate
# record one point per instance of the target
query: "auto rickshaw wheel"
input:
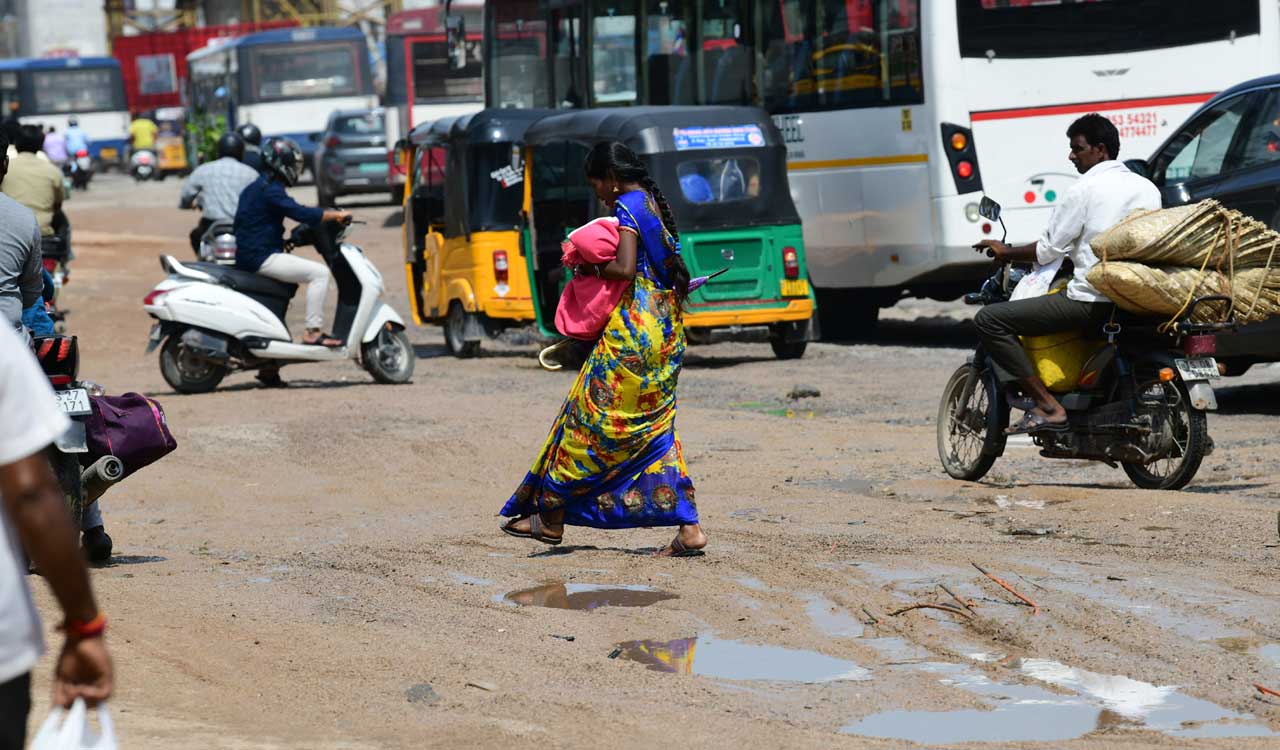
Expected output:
(455, 328)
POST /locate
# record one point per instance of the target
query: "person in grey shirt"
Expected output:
(21, 280)
(217, 185)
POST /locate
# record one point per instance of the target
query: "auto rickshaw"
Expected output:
(724, 172)
(171, 145)
(463, 254)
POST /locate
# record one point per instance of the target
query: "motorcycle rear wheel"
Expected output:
(66, 467)
(1191, 434)
(970, 436)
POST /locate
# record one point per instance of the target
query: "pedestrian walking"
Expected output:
(613, 459)
(33, 519)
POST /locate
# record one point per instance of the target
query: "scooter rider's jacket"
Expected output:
(219, 184)
(259, 221)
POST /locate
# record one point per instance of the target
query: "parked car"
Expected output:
(351, 158)
(1229, 150)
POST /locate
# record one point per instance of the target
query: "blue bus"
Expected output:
(285, 81)
(50, 91)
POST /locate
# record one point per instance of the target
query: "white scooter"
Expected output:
(214, 319)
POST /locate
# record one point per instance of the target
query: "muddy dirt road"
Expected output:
(320, 567)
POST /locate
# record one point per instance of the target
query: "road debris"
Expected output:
(1035, 608)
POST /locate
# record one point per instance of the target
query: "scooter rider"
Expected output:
(252, 145)
(217, 185)
(259, 228)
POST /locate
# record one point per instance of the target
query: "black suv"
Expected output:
(1229, 150)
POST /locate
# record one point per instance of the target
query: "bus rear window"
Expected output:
(1065, 28)
(436, 80)
(58, 91)
(294, 72)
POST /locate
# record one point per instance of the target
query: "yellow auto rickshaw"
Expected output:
(464, 255)
(171, 144)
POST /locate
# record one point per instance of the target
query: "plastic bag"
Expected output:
(1036, 283)
(71, 730)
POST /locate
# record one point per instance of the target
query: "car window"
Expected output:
(369, 124)
(1202, 149)
(1261, 140)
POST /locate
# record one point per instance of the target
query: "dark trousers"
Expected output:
(197, 233)
(1000, 325)
(15, 704)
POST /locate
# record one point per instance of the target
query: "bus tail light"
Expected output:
(790, 263)
(500, 266)
(962, 156)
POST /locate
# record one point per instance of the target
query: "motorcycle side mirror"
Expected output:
(989, 209)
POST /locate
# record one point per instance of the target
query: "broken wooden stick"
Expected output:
(943, 607)
(1266, 690)
(1035, 608)
(870, 616)
(960, 601)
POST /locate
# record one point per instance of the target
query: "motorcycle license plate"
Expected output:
(154, 340)
(795, 288)
(1200, 368)
(74, 403)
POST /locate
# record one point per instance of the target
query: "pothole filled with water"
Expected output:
(587, 596)
(721, 658)
(1032, 713)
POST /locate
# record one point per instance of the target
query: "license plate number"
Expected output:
(374, 168)
(795, 288)
(1200, 368)
(74, 402)
(108, 153)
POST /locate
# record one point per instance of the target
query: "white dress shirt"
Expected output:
(1099, 200)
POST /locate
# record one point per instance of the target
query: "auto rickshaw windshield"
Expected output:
(496, 194)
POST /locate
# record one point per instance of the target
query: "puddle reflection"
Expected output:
(588, 596)
(829, 618)
(1030, 713)
(710, 656)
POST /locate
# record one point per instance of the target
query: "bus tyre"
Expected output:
(455, 328)
(185, 372)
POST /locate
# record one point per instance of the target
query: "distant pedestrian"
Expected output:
(613, 459)
(34, 520)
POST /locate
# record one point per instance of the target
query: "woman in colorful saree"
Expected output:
(613, 459)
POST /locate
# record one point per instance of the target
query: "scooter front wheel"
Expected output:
(971, 422)
(390, 358)
(185, 372)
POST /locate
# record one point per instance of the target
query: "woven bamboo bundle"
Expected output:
(1166, 291)
(1201, 235)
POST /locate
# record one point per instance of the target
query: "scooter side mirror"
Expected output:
(989, 209)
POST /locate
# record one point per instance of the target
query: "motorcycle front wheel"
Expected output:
(970, 430)
(1189, 429)
(390, 358)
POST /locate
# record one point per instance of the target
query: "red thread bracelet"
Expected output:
(81, 630)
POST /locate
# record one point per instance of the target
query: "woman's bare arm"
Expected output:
(623, 267)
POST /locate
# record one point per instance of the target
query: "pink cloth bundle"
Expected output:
(587, 301)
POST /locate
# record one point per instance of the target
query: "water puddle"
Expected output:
(897, 650)
(467, 580)
(1271, 654)
(1033, 713)
(587, 596)
(830, 618)
(755, 584)
(710, 656)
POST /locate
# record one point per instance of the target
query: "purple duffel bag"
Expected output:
(130, 427)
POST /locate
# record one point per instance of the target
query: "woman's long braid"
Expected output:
(677, 271)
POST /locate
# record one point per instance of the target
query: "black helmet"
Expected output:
(250, 133)
(282, 158)
(231, 144)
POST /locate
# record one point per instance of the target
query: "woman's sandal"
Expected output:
(536, 532)
(679, 550)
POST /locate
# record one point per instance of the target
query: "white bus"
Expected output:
(285, 81)
(50, 92)
(874, 96)
(422, 83)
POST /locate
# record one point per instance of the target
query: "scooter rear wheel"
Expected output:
(970, 435)
(185, 372)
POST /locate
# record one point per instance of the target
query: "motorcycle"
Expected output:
(59, 357)
(142, 165)
(56, 255)
(213, 319)
(218, 244)
(1140, 403)
(80, 169)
